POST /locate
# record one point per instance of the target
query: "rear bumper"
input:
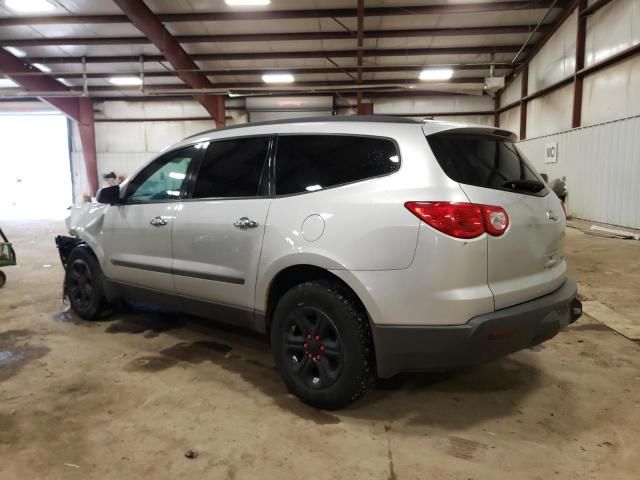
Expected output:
(481, 339)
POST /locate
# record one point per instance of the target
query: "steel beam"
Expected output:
(261, 37)
(145, 21)
(282, 14)
(350, 53)
(240, 72)
(308, 83)
(594, 7)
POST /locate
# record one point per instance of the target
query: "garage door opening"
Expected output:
(35, 176)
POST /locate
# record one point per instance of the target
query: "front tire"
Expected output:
(84, 284)
(321, 341)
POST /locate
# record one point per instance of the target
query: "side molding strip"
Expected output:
(182, 273)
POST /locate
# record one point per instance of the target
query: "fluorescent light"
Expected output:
(313, 188)
(177, 175)
(16, 51)
(126, 81)
(394, 158)
(7, 83)
(29, 6)
(277, 78)
(41, 67)
(436, 74)
(247, 3)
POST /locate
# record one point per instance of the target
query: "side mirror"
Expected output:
(110, 195)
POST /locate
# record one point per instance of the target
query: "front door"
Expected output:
(137, 233)
(218, 232)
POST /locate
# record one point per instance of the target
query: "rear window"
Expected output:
(485, 161)
(307, 163)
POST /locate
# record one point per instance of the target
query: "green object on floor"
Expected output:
(7, 256)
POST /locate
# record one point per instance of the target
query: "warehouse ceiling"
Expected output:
(84, 44)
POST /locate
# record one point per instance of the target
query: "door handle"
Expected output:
(158, 222)
(244, 223)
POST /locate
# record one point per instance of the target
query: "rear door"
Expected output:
(527, 261)
(218, 232)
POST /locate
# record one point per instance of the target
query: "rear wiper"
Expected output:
(527, 185)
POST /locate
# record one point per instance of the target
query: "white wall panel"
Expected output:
(612, 29)
(557, 59)
(160, 135)
(601, 167)
(123, 164)
(123, 137)
(510, 120)
(600, 103)
(550, 113)
(444, 104)
(119, 109)
(164, 110)
(512, 92)
(475, 119)
(471, 119)
(191, 127)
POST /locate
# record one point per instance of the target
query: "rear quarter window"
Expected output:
(489, 161)
(307, 163)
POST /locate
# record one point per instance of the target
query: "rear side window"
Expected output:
(306, 163)
(232, 168)
(485, 161)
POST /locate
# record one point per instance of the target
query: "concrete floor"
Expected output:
(125, 398)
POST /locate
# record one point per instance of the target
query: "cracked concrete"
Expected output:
(127, 397)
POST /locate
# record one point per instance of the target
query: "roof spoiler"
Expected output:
(478, 129)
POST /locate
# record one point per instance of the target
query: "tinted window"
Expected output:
(306, 163)
(163, 179)
(232, 168)
(484, 161)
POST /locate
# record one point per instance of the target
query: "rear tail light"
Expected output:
(461, 220)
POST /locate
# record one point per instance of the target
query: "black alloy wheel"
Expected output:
(313, 345)
(80, 286)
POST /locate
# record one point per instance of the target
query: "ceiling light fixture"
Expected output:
(41, 67)
(126, 81)
(247, 3)
(30, 6)
(16, 51)
(278, 78)
(436, 74)
(7, 83)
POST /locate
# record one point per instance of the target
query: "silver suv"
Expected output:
(360, 246)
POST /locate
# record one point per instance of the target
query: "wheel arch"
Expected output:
(292, 275)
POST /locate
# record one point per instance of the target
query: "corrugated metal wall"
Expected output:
(601, 164)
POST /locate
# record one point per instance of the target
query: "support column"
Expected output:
(86, 127)
(523, 101)
(576, 118)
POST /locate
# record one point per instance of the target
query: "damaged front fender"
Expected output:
(65, 244)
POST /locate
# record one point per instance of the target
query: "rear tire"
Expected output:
(322, 344)
(84, 284)
(3, 279)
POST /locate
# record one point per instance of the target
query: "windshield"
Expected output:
(485, 161)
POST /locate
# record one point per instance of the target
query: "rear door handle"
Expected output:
(244, 223)
(158, 222)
